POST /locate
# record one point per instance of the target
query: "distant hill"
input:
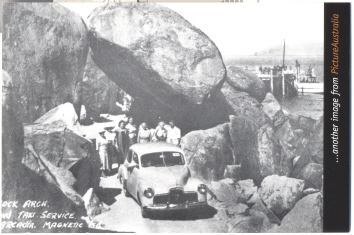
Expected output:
(292, 49)
(308, 54)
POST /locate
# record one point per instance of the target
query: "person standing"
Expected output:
(132, 131)
(173, 134)
(121, 142)
(102, 148)
(144, 135)
(161, 132)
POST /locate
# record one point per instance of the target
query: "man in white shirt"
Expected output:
(173, 134)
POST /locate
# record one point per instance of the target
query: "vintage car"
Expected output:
(157, 176)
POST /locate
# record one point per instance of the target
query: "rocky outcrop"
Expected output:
(246, 81)
(19, 183)
(305, 217)
(99, 93)
(208, 152)
(280, 193)
(44, 50)
(168, 65)
(12, 147)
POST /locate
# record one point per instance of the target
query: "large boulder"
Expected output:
(312, 174)
(168, 65)
(281, 193)
(64, 158)
(243, 105)
(45, 57)
(99, 93)
(65, 113)
(305, 217)
(246, 189)
(255, 222)
(256, 149)
(301, 122)
(223, 191)
(208, 152)
(314, 147)
(274, 111)
(246, 81)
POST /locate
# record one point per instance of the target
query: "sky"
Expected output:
(243, 29)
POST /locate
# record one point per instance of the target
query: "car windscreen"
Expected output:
(162, 159)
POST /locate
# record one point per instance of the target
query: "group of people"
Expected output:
(115, 143)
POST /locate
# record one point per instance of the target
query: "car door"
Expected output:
(133, 174)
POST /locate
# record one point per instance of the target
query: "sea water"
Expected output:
(306, 104)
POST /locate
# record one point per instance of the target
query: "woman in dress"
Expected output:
(121, 142)
(101, 147)
(161, 132)
(144, 134)
(132, 131)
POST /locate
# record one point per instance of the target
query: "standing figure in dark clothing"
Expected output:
(121, 142)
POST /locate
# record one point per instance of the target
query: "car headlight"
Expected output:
(202, 189)
(149, 193)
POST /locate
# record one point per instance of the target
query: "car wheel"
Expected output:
(126, 193)
(144, 213)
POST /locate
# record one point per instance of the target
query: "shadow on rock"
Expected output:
(193, 214)
(107, 195)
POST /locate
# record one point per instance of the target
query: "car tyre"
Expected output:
(144, 213)
(126, 193)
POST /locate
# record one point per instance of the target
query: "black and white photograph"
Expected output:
(163, 117)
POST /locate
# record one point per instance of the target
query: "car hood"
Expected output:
(162, 179)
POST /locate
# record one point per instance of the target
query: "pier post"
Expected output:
(271, 81)
(283, 82)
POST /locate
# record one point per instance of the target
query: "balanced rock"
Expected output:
(305, 217)
(159, 58)
(281, 193)
(45, 58)
(208, 152)
(246, 81)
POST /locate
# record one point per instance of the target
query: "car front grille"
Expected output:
(175, 196)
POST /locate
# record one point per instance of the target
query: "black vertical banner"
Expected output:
(336, 182)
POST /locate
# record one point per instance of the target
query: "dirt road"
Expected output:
(124, 215)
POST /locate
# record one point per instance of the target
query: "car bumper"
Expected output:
(171, 207)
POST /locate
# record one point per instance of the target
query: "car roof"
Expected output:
(152, 147)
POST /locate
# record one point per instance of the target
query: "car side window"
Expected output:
(135, 158)
(130, 154)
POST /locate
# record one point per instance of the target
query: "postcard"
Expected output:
(169, 117)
